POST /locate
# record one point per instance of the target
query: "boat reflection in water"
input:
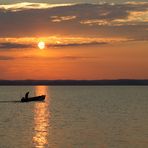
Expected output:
(41, 118)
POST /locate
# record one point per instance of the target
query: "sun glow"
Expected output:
(41, 45)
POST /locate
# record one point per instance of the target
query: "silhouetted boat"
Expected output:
(37, 98)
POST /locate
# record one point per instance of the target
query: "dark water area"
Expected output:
(74, 117)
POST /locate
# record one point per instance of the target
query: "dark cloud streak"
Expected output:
(9, 45)
(78, 44)
(7, 58)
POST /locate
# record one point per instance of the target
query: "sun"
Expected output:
(41, 45)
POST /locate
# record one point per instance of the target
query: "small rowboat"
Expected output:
(37, 98)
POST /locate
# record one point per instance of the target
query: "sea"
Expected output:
(74, 117)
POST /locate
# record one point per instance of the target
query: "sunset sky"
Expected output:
(87, 39)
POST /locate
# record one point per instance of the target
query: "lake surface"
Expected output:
(74, 117)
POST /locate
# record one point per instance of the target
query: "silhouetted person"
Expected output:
(26, 95)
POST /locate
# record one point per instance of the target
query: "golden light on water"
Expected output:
(41, 45)
(41, 118)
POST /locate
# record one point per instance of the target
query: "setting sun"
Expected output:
(41, 45)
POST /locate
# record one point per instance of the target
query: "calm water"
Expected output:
(74, 117)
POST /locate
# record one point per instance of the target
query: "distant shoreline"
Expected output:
(75, 82)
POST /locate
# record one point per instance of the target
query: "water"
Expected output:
(74, 117)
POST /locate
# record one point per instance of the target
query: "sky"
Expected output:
(83, 39)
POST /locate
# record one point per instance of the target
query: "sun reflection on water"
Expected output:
(41, 118)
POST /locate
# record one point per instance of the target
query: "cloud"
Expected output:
(78, 44)
(75, 43)
(3, 58)
(66, 58)
(62, 18)
(126, 20)
(7, 58)
(72, 58)
(136, 3)
(9, 45)
(133, 18)
(28, 5)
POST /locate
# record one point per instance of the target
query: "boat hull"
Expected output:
(37, 98)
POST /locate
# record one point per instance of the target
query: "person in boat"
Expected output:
(26, 95)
